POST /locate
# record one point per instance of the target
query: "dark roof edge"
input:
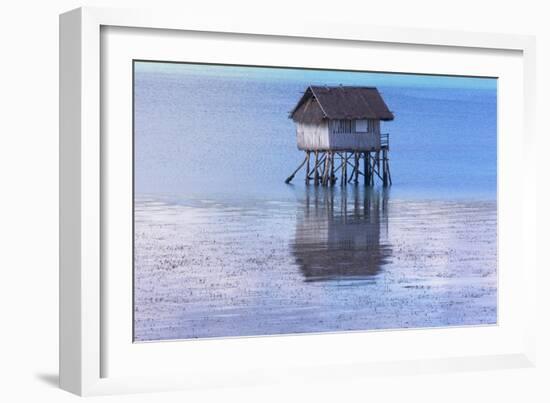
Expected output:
(320, 104)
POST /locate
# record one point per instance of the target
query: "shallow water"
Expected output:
(331, 260)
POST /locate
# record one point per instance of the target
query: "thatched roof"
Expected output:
(340, 102)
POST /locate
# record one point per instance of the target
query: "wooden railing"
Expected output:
(385, 140)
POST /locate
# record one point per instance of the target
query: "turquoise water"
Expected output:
(208, 130)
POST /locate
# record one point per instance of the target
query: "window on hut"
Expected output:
(362, 125)
(342, 126)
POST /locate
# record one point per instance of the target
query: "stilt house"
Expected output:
(342, 123)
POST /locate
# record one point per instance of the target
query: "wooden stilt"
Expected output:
(345, 171)
(307, 167)
(352, 173)
(316, 177)
(328, 164)
(323, 173)
(322, 168)
(384, 168)
(371, 164)
(332, 176)
(294, 173)
(389, 172)
(365, 169)
(371, 171)
(356, 167)
(343, 166)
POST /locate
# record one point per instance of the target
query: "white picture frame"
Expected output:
(82, 171)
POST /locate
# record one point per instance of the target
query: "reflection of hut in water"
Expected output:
(341, 234)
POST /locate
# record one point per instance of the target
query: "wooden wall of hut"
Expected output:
(326, 136)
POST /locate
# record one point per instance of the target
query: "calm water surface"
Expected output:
(329, 261)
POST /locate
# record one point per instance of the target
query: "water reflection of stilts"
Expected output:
(342, 233)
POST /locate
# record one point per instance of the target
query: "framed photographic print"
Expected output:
(235, 199)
